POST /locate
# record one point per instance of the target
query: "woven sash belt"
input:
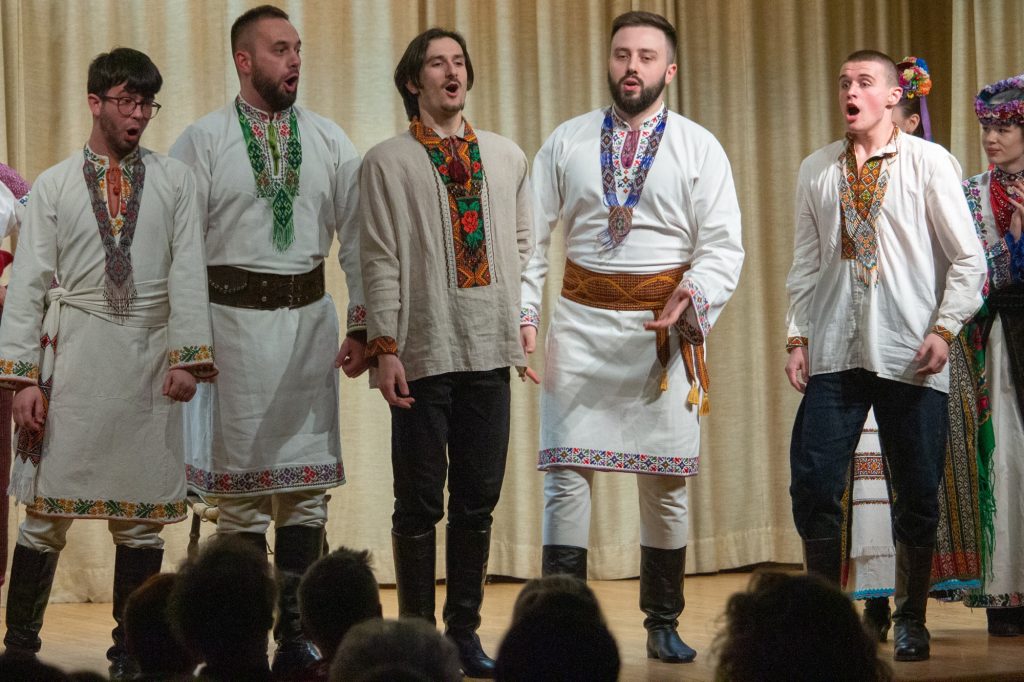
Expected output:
(641, 292)
(240, 288)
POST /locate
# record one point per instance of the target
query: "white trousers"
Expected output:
(664, 522)
(49, 533)
(254, 514)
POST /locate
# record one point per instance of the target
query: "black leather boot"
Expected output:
(824, 558)
(415, 565)
(466, 555)
(257, 540)
(661, 598)
(296, 548)
(913, 578)
(28, 591)
(1005, 622)
(132, 567)
(565, 559)
(877, 617)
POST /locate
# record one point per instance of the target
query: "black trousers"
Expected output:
(457, 428)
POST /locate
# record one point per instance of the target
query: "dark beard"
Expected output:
(276, 99)
(632, 107)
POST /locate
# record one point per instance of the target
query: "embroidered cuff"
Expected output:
(356, 318)
(19, 369)
(529, 315)
(381, 346)
(946, 335)
(694, 325)
(796, 342)
(196, 360)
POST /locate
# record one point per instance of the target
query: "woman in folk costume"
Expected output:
(996, 201)
(870, 562)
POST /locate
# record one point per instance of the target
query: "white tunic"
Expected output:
(930, 266)
(601, 403)
(271, 422)
(112, 442)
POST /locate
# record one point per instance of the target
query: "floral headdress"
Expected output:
(916, 81)
(1002, 102)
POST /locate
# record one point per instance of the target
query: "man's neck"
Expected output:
(99, 147)
(636, 120)
(253, 99)
(867, 143)
(442, 123)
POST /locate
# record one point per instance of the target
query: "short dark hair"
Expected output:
(548, 645)
(247, 19)
(147, 629)
(124, 65)
(410, 643)
(337, 592)
(910, 106)
(649, 19)
(891, 73)
(558, 593)
(409, 66)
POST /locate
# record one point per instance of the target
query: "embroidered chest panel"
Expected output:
(997, 254)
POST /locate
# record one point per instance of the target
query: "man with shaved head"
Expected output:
(277, 184)
(886, 270)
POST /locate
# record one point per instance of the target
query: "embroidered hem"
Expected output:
(118, 510)
(529, 315)
(608, 460)
(1005, 600)
(268, 480)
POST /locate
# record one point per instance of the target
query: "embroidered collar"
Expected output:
(647, 125)
(1004, 178)
(256, 114)
(103, 162)
(890, 148)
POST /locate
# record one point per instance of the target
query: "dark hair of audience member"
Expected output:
(793, 628)
(222, 608)
(552, 644)
(393, 650)
(148, 633)
(13, 667)
(557, 593)
(337, 592)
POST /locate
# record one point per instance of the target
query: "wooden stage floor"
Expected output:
(76, 636)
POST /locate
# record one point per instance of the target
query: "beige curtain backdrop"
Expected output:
(760, 74)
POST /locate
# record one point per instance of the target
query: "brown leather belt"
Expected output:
(627, 291)
(240, 288)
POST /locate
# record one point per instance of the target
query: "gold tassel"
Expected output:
(705, 406)
(664, 380)
(694, 397)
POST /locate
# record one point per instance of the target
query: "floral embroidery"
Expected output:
(275, 154)
(860, 198)
(457, 161)
(191, 354)
(941, 331)
(1005, 600)
(382, 345)
(19, 368)
(110, 509)
(356, 317)
(529, 315)
(306, 476)
(617, 461)
(699, 305)
(796, 342)
(997, 253)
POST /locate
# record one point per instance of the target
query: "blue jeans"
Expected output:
(913, 425)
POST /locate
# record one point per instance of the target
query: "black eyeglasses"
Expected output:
(126, 106)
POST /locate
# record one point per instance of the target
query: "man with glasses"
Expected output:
(276, 184)
(100, 420)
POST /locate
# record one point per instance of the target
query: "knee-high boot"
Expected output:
(132, 567)
(661, 598)
(565, 559)
(296, 548)
(466, 555)
(28, 591)
(415, 566)
(824, 558)
(913, 578)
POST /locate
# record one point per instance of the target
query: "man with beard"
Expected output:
(276, 183)
(446, 230)
(886, 270)
(100, 422)
(645, 278)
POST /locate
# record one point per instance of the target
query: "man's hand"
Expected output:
(932, 355)
(352, 358)
(796, 368)
(179, 385)
(676, 304)
(528, 339)
(29, 409)
(391, 381)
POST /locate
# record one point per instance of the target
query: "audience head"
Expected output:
(789, 628)
(551, 645)
(409, 649)
(148, 633)
(222, 604)
(558, 593)
(337, 592)
(21, 667)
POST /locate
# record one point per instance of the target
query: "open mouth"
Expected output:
(292, 82)
(133, 131)
(852, 109)
(452, 88)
